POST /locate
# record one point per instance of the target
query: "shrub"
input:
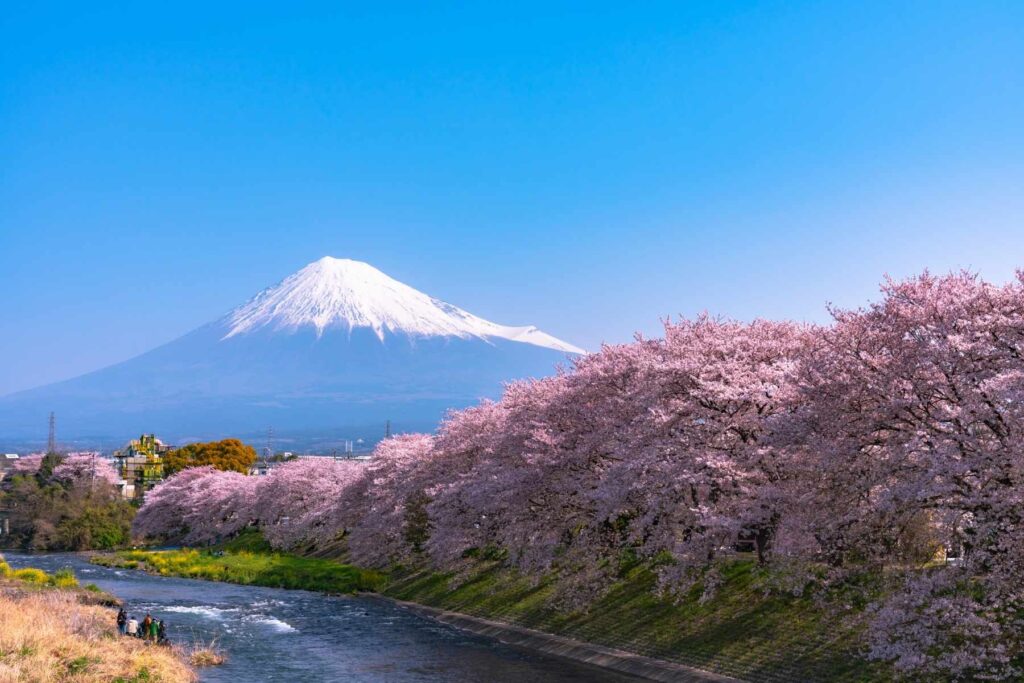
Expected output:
(64, 578)
(31, 575)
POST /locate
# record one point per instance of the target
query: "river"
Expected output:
(271, 634)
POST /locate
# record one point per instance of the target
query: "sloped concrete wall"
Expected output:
(609, 658)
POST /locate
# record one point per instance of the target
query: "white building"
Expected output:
(7, 461)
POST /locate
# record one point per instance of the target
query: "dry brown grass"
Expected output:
(206, 655)
(50, 636)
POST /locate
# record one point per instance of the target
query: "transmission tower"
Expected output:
(268, 451)
(51, 442)
(387, 430)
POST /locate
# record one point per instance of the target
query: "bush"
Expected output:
(64, 578)
(31, 575)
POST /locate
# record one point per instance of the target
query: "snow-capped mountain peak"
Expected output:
(346, 294)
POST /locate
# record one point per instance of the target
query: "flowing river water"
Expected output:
(271, 634)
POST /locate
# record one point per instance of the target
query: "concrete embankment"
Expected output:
(609, 658)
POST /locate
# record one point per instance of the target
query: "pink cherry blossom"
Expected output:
(87, 468)
(295, 502)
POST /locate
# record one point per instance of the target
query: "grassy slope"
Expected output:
(51, 630)
(742, 632)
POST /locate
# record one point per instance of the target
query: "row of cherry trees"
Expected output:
(882, 442)
(69, 469)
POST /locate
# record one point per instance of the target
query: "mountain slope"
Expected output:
(336, 345)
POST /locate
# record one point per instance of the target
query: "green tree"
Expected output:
(49, 462)
(96, 525)
(227, 455)
(77, 514)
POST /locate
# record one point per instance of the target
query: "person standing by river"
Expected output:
(122, 620)
(132, 627)
(146, 623)
(153, 630)
(161, 633)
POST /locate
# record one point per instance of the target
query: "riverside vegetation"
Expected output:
(760, 486)
(58, 502)
(71, 502)
(249, 560)
(53, 630)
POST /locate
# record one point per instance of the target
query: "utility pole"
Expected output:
(51, 442)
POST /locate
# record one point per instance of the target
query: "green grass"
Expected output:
(276, 570)
(250, 540)
(745, 631)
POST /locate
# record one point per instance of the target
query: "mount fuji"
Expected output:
(336, 345)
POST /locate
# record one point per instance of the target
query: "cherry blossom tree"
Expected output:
(28, 464)
(465, 436)
(376, 515)
(486, 500)
(654, 446)
(198, 505)
(912, 409)
(296, 501)
(83, 468)
(699, 467)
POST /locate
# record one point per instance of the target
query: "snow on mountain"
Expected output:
(338, 344)
(346, 294)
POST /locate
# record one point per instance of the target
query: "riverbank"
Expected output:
(597, 655)
(249, 567)
(52, 630)
(272, 635)
(750, 630)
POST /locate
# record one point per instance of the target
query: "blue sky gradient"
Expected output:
(588, 168)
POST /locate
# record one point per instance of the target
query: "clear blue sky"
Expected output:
(588, 168)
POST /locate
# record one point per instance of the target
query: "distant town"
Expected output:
(140, 463)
